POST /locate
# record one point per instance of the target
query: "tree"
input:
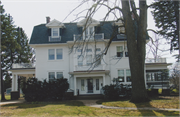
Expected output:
(14, 48)
(136, 33)
(166, 16)
(175, 74)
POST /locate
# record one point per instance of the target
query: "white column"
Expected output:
(16, 83)
(12, 88)
(104, 80)
(75, 91)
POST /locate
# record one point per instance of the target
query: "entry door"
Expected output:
(90, 85)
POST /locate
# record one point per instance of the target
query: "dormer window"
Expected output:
(89, 33)
(55, 32)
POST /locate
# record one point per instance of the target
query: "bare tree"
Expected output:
(135, 23)
(175, 75)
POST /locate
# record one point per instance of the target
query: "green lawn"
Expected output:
(73, 108)
(168, 102)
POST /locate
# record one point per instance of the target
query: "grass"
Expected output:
(73, 108)
(7, 97)
(170, 102)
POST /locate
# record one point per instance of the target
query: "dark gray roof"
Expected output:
(41, 33)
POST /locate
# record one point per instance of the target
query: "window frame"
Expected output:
(52, 32)
(61, 54)
(118, 54)
(128, 76)
(87, 62)
(51, 55)
(55, 75)
(87, 31)
(55, 53)
(121, 77)
(79, 61)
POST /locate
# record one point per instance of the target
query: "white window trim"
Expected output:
(52, 33)
(88, 28)
(55, 54)
(55, 71)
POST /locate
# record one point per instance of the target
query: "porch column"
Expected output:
(104, 80)
(14, 82)
(75, 91)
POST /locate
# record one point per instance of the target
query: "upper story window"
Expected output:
(55, 32)
(88, 50)
(51, 54)
(126, 52)
(88, 60)
(55, 54)
(59, 54)
(119, 50)
(128, 75)
(121, 75)
(89, 33)
(80, 60)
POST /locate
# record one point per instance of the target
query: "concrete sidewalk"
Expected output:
(12, 102)
(92, 103)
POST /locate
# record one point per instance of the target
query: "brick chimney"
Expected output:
(47, 20)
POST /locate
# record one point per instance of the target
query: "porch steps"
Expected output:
(90, 97)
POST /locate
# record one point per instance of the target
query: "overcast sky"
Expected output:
(29, 13)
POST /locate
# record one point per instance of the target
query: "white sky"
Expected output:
(28, 13)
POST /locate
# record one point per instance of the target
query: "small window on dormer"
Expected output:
(121, 30)
(55, 32)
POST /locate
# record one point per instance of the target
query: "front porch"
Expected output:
(26, 70)
(88, 83)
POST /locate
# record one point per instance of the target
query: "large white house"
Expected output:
(73, 51)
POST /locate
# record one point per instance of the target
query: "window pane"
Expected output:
(59, 75)
(121, 75)
(98, 49)
(82, 84)
(88, 50)
(51, 76)
(97, 84)
(119, 51)
(80, 60)
(128, 75)
(51, 54)
(88, 59)
(119, 48)
(59, 53)
(79, 50)
(55, 32)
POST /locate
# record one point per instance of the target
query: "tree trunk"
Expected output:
(2, 88)
(136, 49)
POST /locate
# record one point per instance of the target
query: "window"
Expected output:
(119, 51)
(82, 84)
(79, 50)
(98, 49)
(126, 52)
(59, 75)
(121, 75)
(88, 60)
(59, 53)
(98, 60)
(55, 32)
(80, 60)
(128, 75)
(51, 76)
(51, 54)
(88, 50)
(89, 33)
(97, 84)
(121, 30)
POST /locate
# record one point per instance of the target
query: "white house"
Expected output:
(57, 56)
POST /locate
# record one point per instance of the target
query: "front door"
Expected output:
(90, 85)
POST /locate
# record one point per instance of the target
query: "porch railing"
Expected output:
(23, 65)
(158, 60)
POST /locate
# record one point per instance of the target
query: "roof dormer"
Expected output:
(55, 24)
(88, 22)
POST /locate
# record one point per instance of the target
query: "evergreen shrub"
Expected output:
(35, 90)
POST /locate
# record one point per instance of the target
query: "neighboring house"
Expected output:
(53, 42)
